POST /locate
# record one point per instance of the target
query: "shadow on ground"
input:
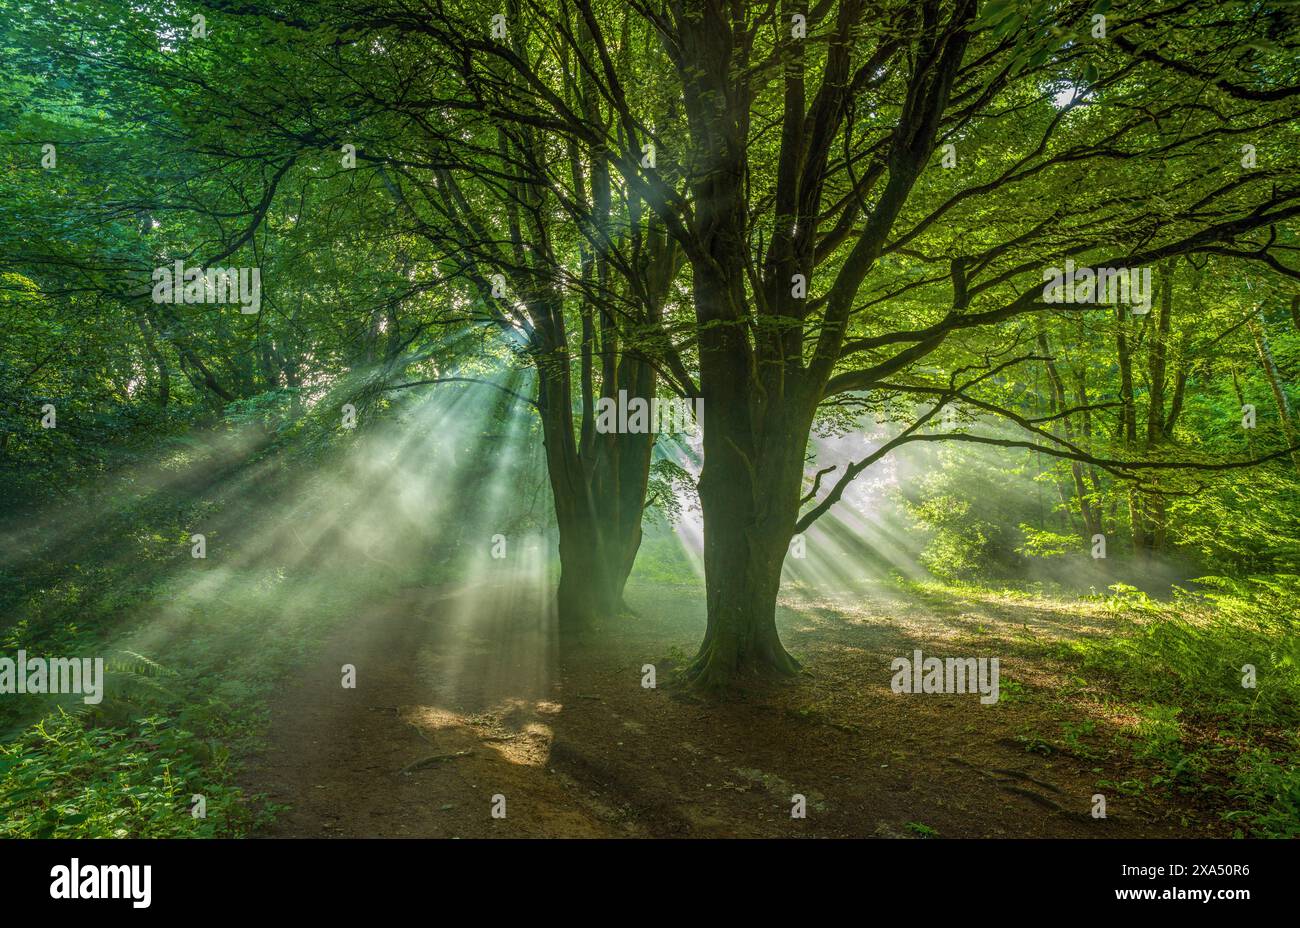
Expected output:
(462, 698)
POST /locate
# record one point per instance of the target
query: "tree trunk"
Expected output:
(586, 591)
(749, 495)
(1269, 367)
(155, 354)
(1091, 519)
(599, 497)
(747, 531)
(1128, 426)
(743, 578)
(760, 397)
(621, 480)
(1155, 506)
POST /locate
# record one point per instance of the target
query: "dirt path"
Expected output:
(460, 698)
(438, 723)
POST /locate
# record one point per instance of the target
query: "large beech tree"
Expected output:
(781, 208)
(830, 250)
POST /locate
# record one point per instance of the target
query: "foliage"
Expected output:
(1185, 663)
(476, 159)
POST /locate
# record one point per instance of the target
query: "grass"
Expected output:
(1203, 687)
(1206, 685)
(185, 701)
(1213, 679)
(921, 830)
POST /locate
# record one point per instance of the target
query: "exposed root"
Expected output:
(1036, 798)
(715, 676)
(431, 760)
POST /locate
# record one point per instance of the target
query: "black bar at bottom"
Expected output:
(332, 877)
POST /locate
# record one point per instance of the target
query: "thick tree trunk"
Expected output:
(747, 531)
(741, 641)
(759, 396)
(596, 555)
(749, 495)
(589, 590)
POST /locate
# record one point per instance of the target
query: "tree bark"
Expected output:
(1091, 520)
(1269, 367)
(759, 396)
(586, 591)
(749, 495)
(1155, 506)
(1128, 425)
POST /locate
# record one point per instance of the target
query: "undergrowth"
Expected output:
(184, 700)
(1214, 677)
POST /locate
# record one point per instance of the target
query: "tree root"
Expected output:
(431, 760)
(1034, 797)
(1021, 775)
(764, 665)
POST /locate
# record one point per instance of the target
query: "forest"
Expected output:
(653, 418)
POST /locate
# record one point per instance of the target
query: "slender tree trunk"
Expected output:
(155, 354)
(1153, 511)
(1128, 424)
(1065, 428)
(1094, 479)
(621, 481)
(1274, 379)
(586, 593)
(1241, 404)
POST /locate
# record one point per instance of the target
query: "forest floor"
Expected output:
(461, 697)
